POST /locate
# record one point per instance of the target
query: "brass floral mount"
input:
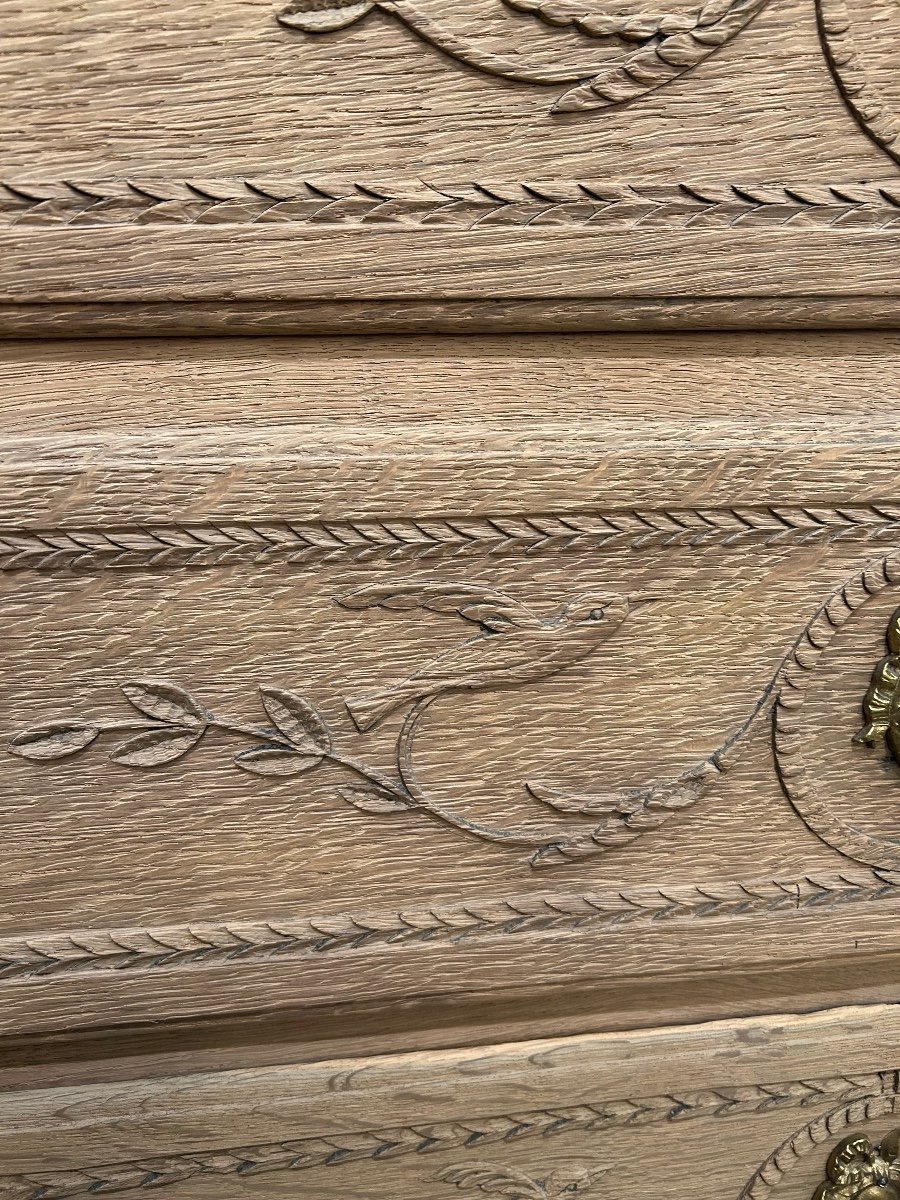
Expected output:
(511, 646)
(881, 705)
(654, 47)
(858, 1170)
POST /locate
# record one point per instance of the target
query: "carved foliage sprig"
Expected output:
(172, 723)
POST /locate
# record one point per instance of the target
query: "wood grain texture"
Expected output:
(188, 514)
(292, 167)
(747, 1087)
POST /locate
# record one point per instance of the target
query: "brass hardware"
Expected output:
(857, 1170)
(881, 705)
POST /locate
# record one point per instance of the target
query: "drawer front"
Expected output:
(473, 674)
(743, 1110)
(512, 162)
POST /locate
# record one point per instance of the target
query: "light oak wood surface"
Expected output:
(450, 577)
(425, 159)
(699, 1107)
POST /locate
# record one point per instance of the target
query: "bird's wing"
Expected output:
(497, 1181)
(483, 606)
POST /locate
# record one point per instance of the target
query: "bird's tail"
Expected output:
(370, 709)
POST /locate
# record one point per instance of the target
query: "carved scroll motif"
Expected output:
(494, 1180)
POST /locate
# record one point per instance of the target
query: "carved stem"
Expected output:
(516, 837)
(465, 51)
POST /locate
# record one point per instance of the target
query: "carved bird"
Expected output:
(513, 645)
(622, 56)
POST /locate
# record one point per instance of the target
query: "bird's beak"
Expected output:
(639, 599)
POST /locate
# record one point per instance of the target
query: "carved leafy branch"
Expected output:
(174, 723)
(662, 46)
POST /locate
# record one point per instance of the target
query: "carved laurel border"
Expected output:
(225, 543)
(882, 1103)
(323, 203)
(856, 1094)
(186, 946)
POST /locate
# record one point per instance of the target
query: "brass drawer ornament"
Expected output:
(882, 701)
(859, 1170)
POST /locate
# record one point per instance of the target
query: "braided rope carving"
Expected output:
(419, 205)
(223, 544)
(637, 27)
(188, 946)
(884, 1102)
(427, 1138)
(849, 68)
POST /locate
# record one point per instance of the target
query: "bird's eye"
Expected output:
(596, 614)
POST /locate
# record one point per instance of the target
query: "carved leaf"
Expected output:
(575, 802)
(371, 799)
(494, 1180)
(311, 16)
(59, 739)
(566, 1181)
(275, 760)
(164, 702)
(297, 719)
(157, 747)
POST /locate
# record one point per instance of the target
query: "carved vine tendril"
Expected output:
(661, 47)
(657, 47)
(512, 646)
(298, 741)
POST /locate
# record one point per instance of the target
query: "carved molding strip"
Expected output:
(884, 1102)
(224, 544)
(60, 954)
(328, 203)
(427, 1138)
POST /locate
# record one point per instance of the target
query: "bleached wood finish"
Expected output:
(429, 746)
(578, 158)
(700, 1108)
(190, 511)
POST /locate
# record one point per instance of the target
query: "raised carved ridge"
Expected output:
(668, 45)
(325, 203)
(789, 739)
(199, 943)
(882, 1102)
(223, 544)
(851, 68)
(424, 1138)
